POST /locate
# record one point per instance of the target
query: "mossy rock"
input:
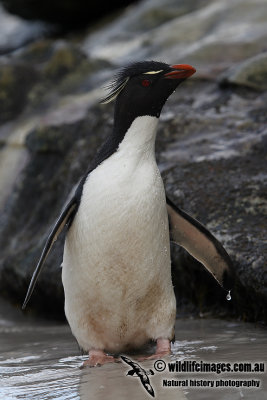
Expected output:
(251, 73)
(15, 83)
(79, 77)
(64, 60)
(38, 52)
(51, 139)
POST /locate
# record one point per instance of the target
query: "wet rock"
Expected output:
(229, 197)
(211, 145)
(152, 14)
(139, 31)
(200, 36)
(213, 164)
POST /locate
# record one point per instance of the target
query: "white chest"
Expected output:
(117, 249)
(127, 187)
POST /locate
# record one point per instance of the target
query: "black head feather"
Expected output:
(133, 69)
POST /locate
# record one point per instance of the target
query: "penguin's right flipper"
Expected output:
(201, 244)
(64, 218)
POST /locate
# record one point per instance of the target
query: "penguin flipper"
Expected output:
(201, 244)
(63, 219)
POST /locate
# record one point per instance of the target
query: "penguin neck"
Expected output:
(139, 139)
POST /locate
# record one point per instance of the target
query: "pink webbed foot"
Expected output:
(163, 348)
(98, 358)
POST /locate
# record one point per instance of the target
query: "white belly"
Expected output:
(116, 264)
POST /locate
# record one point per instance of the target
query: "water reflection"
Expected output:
(111, 382)
(41, 361)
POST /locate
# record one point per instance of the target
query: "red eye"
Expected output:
(145, 82)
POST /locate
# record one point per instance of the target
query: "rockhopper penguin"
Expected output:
(116, 263)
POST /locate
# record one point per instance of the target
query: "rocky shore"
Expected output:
(211, 143)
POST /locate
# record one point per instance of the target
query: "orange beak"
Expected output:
(181, 71)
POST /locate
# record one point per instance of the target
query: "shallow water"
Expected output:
(39, 360)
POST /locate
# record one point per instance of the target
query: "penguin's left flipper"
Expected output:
(201, 244)
(63, 219)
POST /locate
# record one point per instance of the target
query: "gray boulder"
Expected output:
(251, 73)
(211, 144)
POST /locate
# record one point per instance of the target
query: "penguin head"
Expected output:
(142, 88)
